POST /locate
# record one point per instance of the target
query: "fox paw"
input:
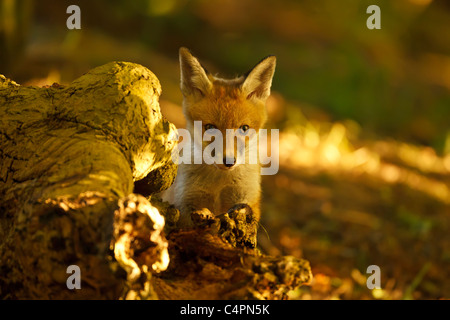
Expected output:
(238, 226)
(202, 217)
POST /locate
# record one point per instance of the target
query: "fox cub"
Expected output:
(220, 105)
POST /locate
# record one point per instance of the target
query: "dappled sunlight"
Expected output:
(307, 147)
(54, 76)
(353, 200)
(364, 136)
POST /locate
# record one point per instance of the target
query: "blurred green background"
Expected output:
(393, 82)
(364, 116)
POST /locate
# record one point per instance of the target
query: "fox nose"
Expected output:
(229, 162)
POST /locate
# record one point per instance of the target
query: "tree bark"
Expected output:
(70, 159)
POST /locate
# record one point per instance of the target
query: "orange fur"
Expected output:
(227, 108)
(226, 104)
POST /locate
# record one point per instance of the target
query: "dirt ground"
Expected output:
(347, 195)
(344, 219)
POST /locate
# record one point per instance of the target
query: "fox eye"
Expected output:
(244, 128)
(209, 126)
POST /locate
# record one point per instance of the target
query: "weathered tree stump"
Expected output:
(69, 156)
(70, 160)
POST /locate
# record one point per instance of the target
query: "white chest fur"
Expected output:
(206, 186)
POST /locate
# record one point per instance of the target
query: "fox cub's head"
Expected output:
(237, 104)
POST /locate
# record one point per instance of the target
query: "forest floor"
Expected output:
(384, 203)
(345, 203)
(339, 200)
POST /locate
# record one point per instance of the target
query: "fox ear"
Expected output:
(194, 79)
(259, 80)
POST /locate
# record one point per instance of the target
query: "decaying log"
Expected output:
(217, 259)
(71, 158)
